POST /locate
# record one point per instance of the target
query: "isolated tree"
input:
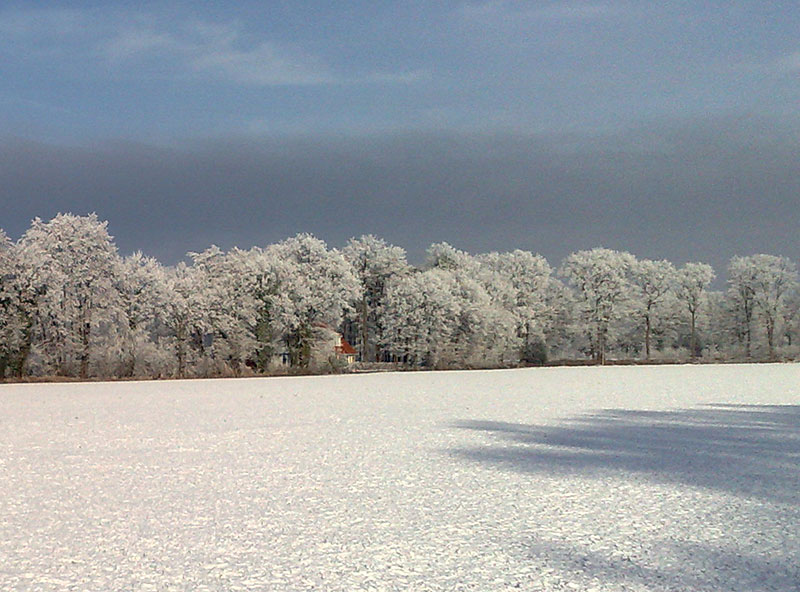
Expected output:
(692, 281)
(601, 281)
(654, 281)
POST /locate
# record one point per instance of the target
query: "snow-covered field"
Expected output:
(617, 478)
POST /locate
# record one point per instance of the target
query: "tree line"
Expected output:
(71, 305)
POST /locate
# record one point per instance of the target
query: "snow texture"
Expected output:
(623, 478)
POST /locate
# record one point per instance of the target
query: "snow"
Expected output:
(614, 478)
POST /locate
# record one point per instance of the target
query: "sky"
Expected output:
(669, 129)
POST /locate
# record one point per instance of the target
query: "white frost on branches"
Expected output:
(70, 305)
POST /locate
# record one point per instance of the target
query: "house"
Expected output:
(331, 342)
(345, 351)
(327, 343)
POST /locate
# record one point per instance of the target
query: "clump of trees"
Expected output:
(71, 305)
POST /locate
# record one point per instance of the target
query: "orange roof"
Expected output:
(345, 348)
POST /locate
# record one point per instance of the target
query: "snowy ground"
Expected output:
(625, 478)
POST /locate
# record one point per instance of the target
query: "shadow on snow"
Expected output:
(750, 451)
(746, 450)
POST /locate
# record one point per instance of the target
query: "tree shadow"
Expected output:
(748, 451)
(695, 567)
(745, 450)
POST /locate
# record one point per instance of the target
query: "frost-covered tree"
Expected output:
(229, 305)
(741, 293)
(721, 337)
(759, 285)
(14, 322)
(70, 305)
(520, 283)
(71, 261)
(183, 316)
(692, 281)
(562, 306)
(444, 316)
(421, 316)
(790, 317)
(654, 282)
(445, 256)
(21, 295)
(776, 280)
(601, 282)
(374, 262)
(143, 299)
(485, 331)
(269, 274)
(318, 287)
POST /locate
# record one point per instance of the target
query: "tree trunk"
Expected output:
(747, 341)
(771, 337)
(647, 336)
(693, 339)
(85, 335)
(180, 350)
(129, 362)
(364, 330)
(25, 350)
(601, 346)
(299, 344)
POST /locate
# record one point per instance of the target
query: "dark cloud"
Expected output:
(684, 192)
